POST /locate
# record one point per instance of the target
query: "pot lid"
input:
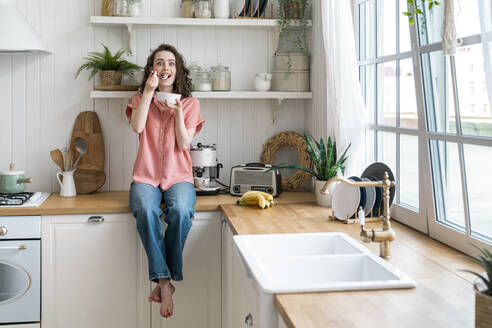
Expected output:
(219, 68)
(11, 171)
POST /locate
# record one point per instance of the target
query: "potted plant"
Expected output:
(109, 67)
(292, 28)
(483, 289)
(326, 166)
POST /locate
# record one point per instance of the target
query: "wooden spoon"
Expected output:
(68, 160)
(57, 157)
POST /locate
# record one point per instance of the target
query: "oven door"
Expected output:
(20, 265)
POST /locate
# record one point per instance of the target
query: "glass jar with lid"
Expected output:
(188, 8)
(202, 81)
(203, 8)
(120, 8)
(221, 78)
(194, 68)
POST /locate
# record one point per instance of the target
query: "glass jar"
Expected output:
(202, 81)
(120, 8)
(188, 8)
(194, 68)
(221, 78)
(203, 9)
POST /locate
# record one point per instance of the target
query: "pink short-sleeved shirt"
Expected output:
(159, 161)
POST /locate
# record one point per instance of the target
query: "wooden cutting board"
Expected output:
(89, 175)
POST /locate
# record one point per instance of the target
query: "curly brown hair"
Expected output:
(182, 83)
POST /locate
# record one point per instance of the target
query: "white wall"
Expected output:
(41, 99)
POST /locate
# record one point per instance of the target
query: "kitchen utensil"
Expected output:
(345, 201)
(57, 157)
(68, 160)
(370, 197)
(67, 186)
(13, 181)
(81, 147)
(377, 170)
(170, 97)
(89, 176)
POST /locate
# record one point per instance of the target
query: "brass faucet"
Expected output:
(385, 235)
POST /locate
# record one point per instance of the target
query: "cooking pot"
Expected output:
(13, 181)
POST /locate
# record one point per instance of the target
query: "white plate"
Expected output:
(370, 197)
(345, 201)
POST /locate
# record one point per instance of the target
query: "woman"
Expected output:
(163, 168)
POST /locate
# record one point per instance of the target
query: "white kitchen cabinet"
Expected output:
(281, 323)
(239, 295)
(94, 272)
(197, 299)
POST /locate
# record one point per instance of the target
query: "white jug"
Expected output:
(263, 81)
(67, 187)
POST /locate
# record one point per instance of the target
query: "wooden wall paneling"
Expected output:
(115, 146)
(158, 8)
(210, 47)
(196, 54)
(236, 133)
(184, 43)
(249, 130)
(171, 37)
(235, 44)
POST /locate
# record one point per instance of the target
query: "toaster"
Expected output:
(255, 176)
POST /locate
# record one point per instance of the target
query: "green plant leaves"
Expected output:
(104, 61)
(484, 259)
(324, 158)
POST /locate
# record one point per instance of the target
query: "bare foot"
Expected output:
(167, 304)
(155, 295)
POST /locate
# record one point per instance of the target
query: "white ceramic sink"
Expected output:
(286, 263)
(296, 244)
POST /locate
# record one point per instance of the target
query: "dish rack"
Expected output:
(256, 17)
(386, 184)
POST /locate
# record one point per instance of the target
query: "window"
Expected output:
(433, 127)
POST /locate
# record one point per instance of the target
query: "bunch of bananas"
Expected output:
(258, 198)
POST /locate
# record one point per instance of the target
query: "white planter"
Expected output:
(323, 199)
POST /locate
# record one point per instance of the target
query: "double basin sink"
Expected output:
(314, 262)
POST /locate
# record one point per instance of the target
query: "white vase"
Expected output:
(323, 199)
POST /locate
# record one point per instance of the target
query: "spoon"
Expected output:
(57, 157)
(81, 147)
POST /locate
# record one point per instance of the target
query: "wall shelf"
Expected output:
(276, 96)
(111, 21)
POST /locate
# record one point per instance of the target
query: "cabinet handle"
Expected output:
(248, 320)
(14, 248)
(3, 230)
(95, 219)
(223, 222)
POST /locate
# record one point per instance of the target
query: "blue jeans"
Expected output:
(164, 251)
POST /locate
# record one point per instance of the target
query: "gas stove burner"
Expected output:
(15, 199)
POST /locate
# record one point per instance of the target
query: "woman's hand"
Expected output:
(177, 108)
(152, 82)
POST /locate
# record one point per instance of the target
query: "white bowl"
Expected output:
(171, 97)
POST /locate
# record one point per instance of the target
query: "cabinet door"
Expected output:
(93, 273)
(244, 297)
(227, 298)
(197, 299)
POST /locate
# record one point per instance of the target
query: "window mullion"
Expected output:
(459, 133)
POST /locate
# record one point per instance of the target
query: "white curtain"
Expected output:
(346, 113)
(485, 10)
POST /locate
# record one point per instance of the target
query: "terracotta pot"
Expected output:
(483, 310)
(110, 78)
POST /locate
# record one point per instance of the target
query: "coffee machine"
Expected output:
(205, 169)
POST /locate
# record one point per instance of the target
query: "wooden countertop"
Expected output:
(118, 202)
(444, 297)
